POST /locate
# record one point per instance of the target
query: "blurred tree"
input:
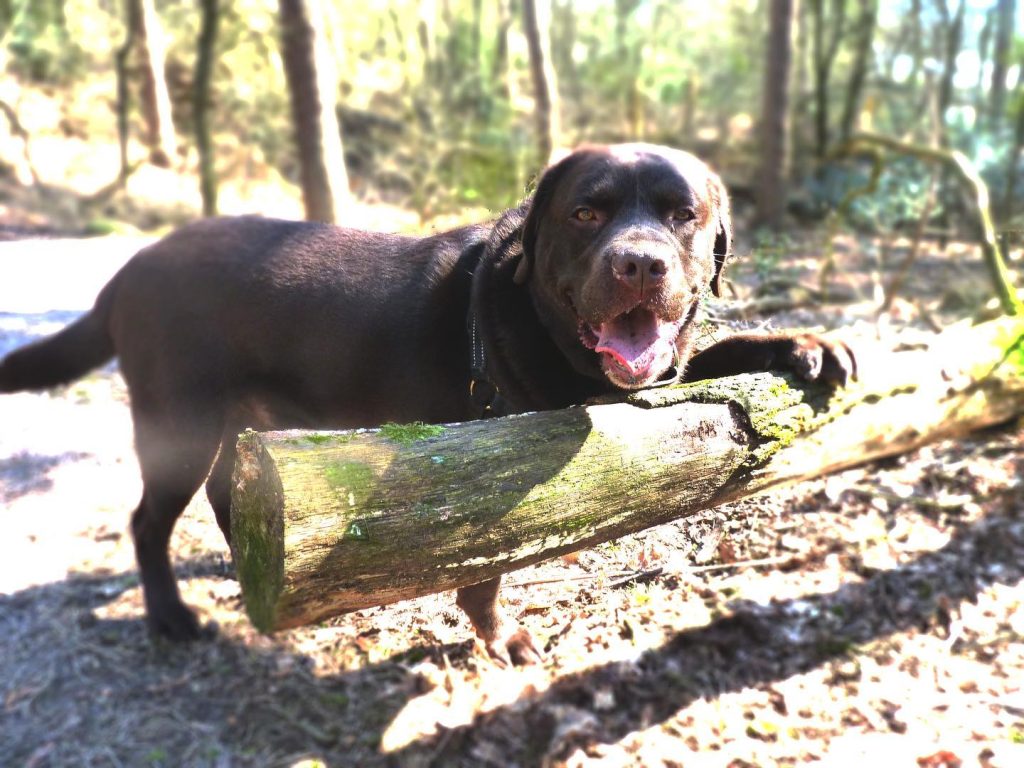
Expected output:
(1013, 166)
(201, 104)
(771, 192)
(563, 43)
(1000, 61)
(801, 96)
(952, 37)
(981, 88)
(536, 27)
(154, 99)
(500, 61)
(827, 23)
(864, 35)
(312, 85)
(628, 56)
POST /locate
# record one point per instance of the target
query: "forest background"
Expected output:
(447, 107)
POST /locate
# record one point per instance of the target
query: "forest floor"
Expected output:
(886, 625)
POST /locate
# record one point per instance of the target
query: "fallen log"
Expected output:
(328, 522)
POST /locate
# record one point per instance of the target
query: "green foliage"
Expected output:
(897, 201)
(41, 43)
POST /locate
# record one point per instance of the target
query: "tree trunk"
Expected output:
(121, 73)
(154, 97)
(800, 95)
(536, 26)
(951, 49)
(1000, 62)
(324, 523)
(824, 49)
(980, 90)
(500, 75)
(771, 193)
(312, 85)
(563, 26)
(1010, 190)
(865, 35)
(201, 105)
(627, 56)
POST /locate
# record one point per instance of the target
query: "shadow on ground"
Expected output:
(113, 696)
(26, 472)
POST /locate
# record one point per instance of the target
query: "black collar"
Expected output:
(483, 392)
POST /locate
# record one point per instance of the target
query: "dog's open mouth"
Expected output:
(636, 347)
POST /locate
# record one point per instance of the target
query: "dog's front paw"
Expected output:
(815, 358)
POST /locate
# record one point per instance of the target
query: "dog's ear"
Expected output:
(723, 230)
(538, 204)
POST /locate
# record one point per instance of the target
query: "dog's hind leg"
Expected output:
(174, 455)
(504, 641)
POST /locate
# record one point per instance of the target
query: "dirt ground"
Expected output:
(885, 627)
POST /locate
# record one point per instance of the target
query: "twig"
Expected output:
(640, 577)
(652, 573)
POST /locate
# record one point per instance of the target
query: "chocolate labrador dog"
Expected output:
(591, 286)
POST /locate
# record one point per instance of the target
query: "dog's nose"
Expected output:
(638, 270)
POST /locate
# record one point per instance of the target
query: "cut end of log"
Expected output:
(257, 530)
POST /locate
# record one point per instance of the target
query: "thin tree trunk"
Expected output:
(951, 49)
(1000, 61)
(824, 54)
(771, 196)
(1010, 191)
(865, 35)
(123, 98)
(564, 22)
(537, 25)
(800, 96)
(981, 87)
(155, 100)
(201, 105)
(313, 84)
(499, 66)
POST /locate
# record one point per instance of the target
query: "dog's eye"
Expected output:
(584, 214)
(681, 215)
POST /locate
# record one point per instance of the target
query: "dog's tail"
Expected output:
(65, 356)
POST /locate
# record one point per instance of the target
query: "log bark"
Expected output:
(328, 522)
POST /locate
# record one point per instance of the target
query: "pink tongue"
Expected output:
(632, 339)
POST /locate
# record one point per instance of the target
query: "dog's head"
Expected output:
(618, 246)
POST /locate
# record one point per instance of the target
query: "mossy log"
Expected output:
(328, 522)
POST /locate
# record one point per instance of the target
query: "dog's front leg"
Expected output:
(808, 355)
(505, 642)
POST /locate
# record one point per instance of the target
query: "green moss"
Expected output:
(778, 407)
(351, 476)
(257, 533)
(324, 438)
(406, 434)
